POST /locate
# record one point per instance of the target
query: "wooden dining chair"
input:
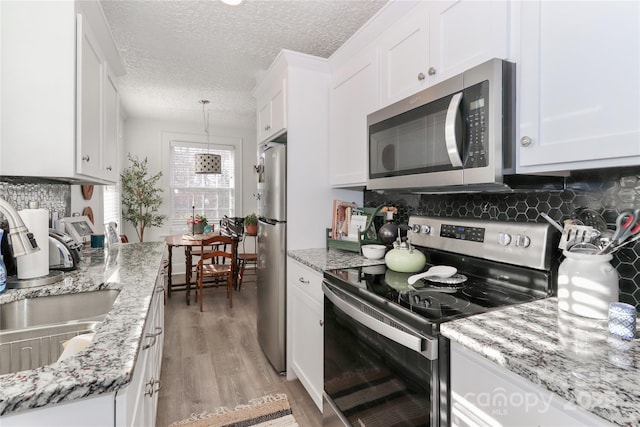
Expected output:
(219, 263)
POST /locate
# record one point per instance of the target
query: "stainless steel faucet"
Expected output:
(22, 240)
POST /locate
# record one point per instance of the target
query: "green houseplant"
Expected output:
(141, 196)
(251, 224)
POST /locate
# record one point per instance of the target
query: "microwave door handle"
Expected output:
(450, 137)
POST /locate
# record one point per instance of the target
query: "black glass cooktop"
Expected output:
(479, 286)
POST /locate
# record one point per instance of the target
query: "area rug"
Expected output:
(272, 410)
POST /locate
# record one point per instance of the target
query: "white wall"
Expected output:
(143, 138)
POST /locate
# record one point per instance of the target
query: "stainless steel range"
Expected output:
(385, 362)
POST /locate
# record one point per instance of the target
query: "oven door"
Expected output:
(377, 371)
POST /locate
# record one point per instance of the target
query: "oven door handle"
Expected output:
(427, 347)
(450, 137)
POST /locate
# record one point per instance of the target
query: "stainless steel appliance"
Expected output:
(385, 361)
(272, 252)
(457, 132)
(64, 251)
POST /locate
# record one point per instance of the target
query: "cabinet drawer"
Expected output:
(305, 279)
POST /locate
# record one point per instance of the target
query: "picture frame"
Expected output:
(80, 228)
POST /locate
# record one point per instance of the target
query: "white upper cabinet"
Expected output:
(404, 56)
(465, 33)
(110, 150)
(57, 97)
(272, 116)
(579, 90)
(437, 40)
(90, 76)
(351, 99)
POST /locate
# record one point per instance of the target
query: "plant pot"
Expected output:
(251, 229)
(198, 228)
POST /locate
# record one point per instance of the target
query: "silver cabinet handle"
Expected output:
(154, 338)
(450, 137)
(321, 322)
(148, 388)
(86, 158)
(432, 71)
(525, 141)
(109, 168)
(303, 280)
(421, 76)
(267, 127)
(152, 387)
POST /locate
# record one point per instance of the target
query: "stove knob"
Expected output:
(504, 239)
(523, 241)
(425, 229)
(415, 228)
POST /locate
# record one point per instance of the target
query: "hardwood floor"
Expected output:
(213, 359)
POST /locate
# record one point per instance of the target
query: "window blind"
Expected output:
(111, 201)
(212, 195)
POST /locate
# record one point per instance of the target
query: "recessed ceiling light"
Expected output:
(232, 2)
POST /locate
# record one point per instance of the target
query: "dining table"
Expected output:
(187, 241)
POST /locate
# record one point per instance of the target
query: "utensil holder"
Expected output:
(587, 284)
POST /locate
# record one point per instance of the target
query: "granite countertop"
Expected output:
(572, 356)
(326, 259)
(106, 364)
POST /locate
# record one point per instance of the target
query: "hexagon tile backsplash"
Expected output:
(608, 192)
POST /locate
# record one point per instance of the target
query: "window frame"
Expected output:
(189, 138)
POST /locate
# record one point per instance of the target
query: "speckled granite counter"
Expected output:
(322, 259)
(571, 356)
(106, 364)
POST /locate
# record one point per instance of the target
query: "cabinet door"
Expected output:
(272, 116)
(353, 95)
(486, 394)
(264, 120)
(111, 117)
(278, 109)
(90, 78)
(466, 33)
(579, 87)
(307, 343)
(404, 57)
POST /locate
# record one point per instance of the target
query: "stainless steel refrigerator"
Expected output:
(272, 252)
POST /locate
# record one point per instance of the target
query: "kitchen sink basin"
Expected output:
(33, 331)
(54, 309)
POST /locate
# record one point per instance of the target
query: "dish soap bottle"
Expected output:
(3, 271)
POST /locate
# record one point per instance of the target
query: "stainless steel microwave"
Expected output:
(457, 133)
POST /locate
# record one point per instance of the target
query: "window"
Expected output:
(111, 200)
(212, 195)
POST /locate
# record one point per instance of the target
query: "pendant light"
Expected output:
(207, 162)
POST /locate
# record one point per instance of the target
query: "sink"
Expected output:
(33, 330)
(53, 309)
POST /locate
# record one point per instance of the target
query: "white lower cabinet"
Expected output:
(136, 404)
(133, 406)
(306, 320)
(485, 394)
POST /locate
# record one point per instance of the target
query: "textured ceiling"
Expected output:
(178, 52)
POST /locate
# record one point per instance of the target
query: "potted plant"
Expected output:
(197, 223)
(141, 197)
(251, 224)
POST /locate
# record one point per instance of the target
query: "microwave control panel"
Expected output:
(475, 113)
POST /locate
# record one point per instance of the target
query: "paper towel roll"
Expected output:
(36, 264)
